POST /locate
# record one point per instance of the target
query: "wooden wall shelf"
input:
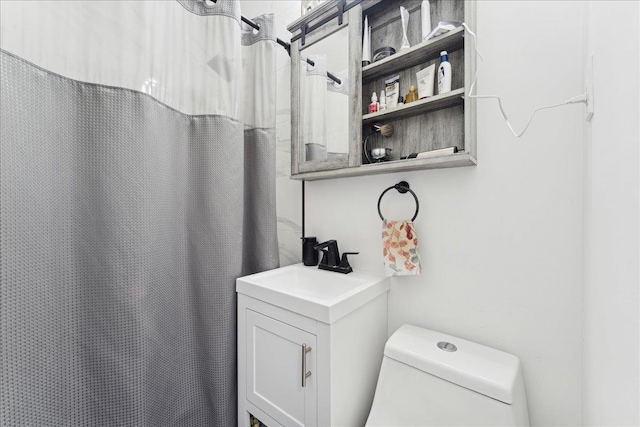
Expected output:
(437, 122)
(448, 161)
(422, 106)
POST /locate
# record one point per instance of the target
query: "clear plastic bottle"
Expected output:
(444, 73)
(383, 101)
(374, 106)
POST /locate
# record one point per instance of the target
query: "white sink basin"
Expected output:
(322, 295)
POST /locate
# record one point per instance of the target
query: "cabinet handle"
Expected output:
(305, 374)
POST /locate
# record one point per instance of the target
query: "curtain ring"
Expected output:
(402, 187)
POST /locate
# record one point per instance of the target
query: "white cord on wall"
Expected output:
(580, 99)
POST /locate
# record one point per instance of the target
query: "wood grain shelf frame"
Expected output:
(428, 124)
(422, 106)
(449, 161)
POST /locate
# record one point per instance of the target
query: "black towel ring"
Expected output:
(402, 187)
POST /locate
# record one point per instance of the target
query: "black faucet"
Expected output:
(331, 257)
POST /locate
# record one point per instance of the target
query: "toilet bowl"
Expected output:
(432, 379)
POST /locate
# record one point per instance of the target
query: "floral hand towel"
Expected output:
(400, 248)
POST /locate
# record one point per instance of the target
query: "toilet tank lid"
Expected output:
(485, 370)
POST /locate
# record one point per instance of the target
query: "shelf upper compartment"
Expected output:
(449, 99)
(418, 54)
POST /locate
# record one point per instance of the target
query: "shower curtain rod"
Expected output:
(287, 47)
(284, 44)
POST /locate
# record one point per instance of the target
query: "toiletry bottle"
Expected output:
(412, 95)
(404, 16)
(392, 91)
(309, 255)
(383, 101)
(425, 16)
(374, 106)
(444, 73)
(366, 43)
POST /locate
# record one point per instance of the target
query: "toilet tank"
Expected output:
(432, 379)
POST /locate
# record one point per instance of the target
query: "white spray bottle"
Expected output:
(366, 43)
(404, 17)
(425, 17)
(444, 73)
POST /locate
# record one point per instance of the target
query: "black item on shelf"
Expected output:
(382, 53)
(402, 187)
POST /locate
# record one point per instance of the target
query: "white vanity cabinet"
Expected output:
(309, 355)
(277, 355)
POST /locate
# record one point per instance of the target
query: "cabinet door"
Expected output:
(275, 362)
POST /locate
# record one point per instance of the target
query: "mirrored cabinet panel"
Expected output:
(323, 115)
(324, 83)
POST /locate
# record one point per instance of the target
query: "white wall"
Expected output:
(501, 242)
(506, 245)
(610, 316)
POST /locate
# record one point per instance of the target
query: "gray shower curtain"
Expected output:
(124, 223)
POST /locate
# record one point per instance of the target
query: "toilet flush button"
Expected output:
(447, 346)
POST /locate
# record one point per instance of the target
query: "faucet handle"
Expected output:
(344, 262)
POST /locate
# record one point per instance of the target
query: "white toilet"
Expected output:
(432, 379)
